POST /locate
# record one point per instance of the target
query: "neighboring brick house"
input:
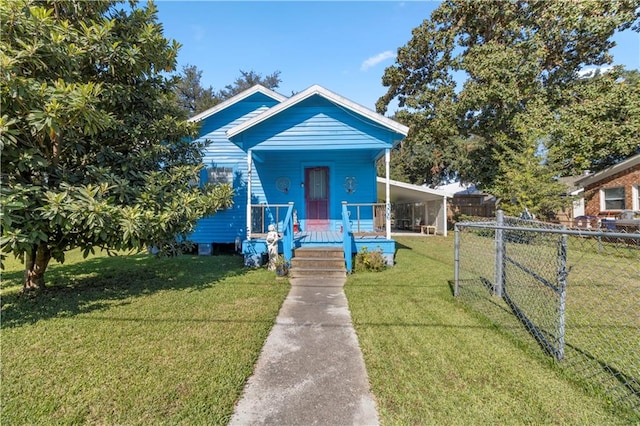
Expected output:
(613, 190)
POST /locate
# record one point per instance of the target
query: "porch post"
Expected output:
(249, 159)
(387, 160)
(444, 216)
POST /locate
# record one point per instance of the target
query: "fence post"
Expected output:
(562, 289)
(456, 259)
(500, 254)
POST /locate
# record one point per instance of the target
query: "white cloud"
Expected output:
(375, 60)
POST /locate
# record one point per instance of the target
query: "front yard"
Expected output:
(134, 340)
(138, 340)
(431, 360)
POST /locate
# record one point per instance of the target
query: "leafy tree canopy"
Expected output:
(521, 96)
(92, 152)
(192, 98)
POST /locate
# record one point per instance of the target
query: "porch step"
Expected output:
(325, 262)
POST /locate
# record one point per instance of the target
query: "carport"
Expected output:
(415, 208)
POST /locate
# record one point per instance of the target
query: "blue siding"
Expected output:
(292, 164)
(313, 133)
(227, 225)
(317, 124)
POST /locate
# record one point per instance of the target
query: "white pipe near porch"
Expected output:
(249, 195)
(444, 216)
(387, 160)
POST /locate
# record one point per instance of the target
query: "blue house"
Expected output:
(306, 164)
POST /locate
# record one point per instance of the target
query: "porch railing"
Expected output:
(287, 234)
(347, 238)
(262, 215)
(366, 218)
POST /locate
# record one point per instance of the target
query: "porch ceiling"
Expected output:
(406, 192)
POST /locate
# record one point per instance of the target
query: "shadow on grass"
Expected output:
(400, 246)
(94, 284)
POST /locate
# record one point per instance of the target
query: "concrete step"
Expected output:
(323, 252)
(314, 272)
(317, 282)
(317, 262)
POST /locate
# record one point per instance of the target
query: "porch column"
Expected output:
(444, 216)
(387, 160)
(249, 164)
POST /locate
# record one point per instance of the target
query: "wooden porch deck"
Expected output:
(329, 237)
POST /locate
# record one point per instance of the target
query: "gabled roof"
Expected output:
(237, 98)
(406, 192)
(616, 168)
(327, 94)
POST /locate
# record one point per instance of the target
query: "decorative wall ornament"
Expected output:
(350, 184)
(283, 183)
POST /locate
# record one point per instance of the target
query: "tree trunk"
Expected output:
(36, 262)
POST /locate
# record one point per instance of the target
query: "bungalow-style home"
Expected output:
(613, 190)
(305, 164)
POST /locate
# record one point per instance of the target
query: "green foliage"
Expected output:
(92, 151)
(369, 260)
(247, 80)
(521, 61)
(192, 98)
(598, 126)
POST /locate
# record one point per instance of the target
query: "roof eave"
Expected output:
(616, 168)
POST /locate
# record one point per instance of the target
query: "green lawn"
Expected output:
(139, 340)
(134, 340)
(432, 360)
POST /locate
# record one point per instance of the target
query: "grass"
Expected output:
(432, 360)
(138, 340)
(134, 340)
(601, 328)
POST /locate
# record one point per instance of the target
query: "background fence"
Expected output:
(574, 293)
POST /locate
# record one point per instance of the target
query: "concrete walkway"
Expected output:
(311, 369)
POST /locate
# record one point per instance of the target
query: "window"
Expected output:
(218, 175)
(636, 198)
(612, 198)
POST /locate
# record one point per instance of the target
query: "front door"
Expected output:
(316, 196)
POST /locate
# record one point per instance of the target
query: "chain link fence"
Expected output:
(575, 294)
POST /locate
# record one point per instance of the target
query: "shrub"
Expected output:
(369, 260)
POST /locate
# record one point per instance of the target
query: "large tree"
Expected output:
(248, 79)
(92, 152)
(519, 61)
(599, 125)
(193, 98)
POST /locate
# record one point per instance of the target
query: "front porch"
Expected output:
(361, 225)
(255, 249)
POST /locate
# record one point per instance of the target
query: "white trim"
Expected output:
(249, 164)
(387, 161)
(597, 177)
(444, 216)
(635, 200)
(603, 201)
(417, 188)
(327, 94)
(237, 98)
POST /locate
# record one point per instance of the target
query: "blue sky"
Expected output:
(343, 46)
